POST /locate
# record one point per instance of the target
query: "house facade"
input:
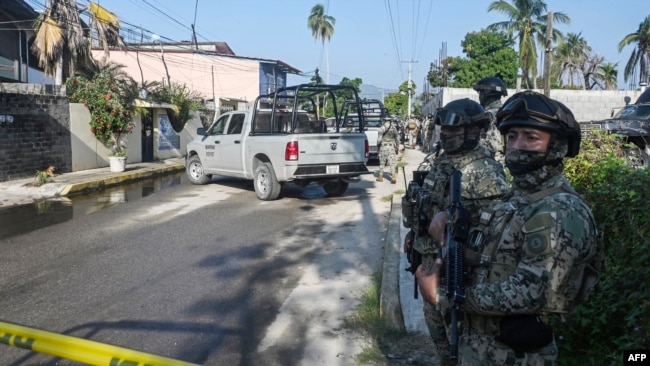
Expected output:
(209, 69)
(39, 127)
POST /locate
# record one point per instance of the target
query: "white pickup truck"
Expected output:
(372, 111)
(283, 139)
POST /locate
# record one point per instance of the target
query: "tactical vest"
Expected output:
(436, 183)
(389, 135)
(412, 125)
(489, 258)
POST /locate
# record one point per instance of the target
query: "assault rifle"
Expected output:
(415, 215)
(457, 231)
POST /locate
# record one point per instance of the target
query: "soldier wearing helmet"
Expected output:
(483, 180)
(532, 255)
(490, 90)
(388, 141)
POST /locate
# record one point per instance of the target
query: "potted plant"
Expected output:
(109, 96)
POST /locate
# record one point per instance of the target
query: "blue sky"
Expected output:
(373, 39)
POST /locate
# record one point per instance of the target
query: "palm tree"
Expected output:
(608, 73)
(572, 52)
(62, 44)
(322, 27)
(527, 22)
(641, 53)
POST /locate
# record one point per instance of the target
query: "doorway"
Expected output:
(147, 136)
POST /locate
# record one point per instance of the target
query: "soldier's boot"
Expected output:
(380, 178)
(393, 179)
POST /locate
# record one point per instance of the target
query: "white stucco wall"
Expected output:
(87, 152)
(586, 105)
(208, 75)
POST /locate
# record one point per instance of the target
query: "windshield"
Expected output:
(635, 111)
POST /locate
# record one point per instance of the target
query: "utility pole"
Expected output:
(548, 54)
(408, 88)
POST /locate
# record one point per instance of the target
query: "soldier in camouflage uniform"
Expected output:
(388, 146)
(490, 90)
(537, 254)
(461, 122)
(412, 129)
(425, 133)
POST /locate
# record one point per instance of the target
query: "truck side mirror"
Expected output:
(200, 131)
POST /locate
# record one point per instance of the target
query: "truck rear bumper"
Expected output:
(320, 171)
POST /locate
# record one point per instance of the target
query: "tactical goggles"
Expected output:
(446, 117)
(539, 109)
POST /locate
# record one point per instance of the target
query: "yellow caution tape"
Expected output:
(78, 349)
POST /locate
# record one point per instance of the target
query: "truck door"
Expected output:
(230, 148)
(212, 142)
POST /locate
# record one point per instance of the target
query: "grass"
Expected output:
(41, 178)
(366, 319)
(387, 198)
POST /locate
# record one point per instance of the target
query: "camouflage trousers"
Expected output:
(387, 157)
(413, 137)
(482, 349)
(435, 320)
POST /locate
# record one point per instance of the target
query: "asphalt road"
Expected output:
(204, 274)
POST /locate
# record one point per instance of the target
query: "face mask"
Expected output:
(452, 143)
(520, 162)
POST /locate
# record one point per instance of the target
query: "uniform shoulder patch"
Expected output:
(538, 232)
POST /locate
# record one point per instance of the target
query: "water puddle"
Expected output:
(18, 220)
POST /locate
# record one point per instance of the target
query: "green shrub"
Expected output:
(617, 315)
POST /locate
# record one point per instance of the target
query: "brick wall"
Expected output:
(40, 133)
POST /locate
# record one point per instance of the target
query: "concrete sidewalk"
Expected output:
(23, 191)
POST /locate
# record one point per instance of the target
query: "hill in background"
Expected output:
(374, 92)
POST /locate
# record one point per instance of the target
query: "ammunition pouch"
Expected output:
(524, 333)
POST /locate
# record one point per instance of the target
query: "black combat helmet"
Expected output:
(532, 109)
(461, 113)
(490, 89)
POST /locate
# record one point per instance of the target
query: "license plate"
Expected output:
(332, 169)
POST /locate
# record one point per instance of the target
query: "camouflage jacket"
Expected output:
(388, 133)
(536, 256)
(492, 138)
(483, 180)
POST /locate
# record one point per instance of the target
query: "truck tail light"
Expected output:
(291, 151)
(367, 149)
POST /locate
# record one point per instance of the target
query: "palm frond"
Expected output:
(48, 45)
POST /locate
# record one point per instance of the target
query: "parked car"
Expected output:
(633, 122)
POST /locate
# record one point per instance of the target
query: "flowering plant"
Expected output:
(109, 99)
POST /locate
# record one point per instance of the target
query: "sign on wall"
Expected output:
(167, 138)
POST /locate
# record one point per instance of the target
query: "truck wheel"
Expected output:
(335, 189)
(194, 170)
(266, 184)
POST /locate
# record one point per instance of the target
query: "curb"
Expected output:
(390, 307)
(76, 188)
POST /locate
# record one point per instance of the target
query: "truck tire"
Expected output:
(194, 171)
(266, 184)
(336, 188)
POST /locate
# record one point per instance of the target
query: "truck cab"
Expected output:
(372, 111)
(633, 123)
